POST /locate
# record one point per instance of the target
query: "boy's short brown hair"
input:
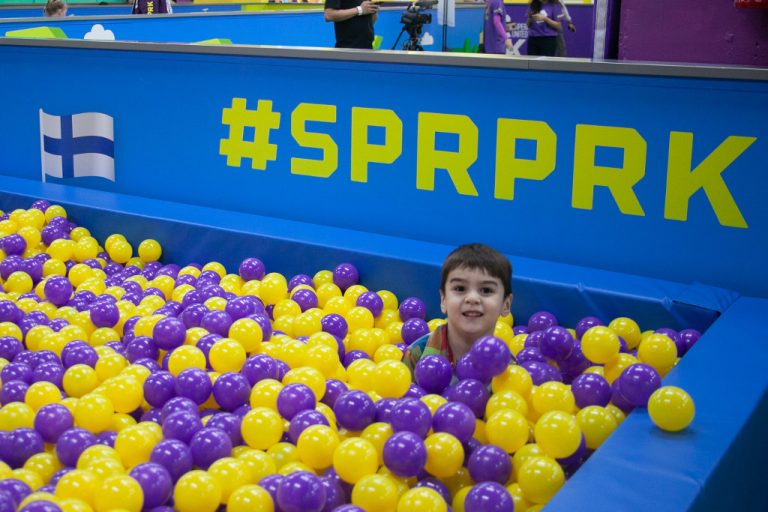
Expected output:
(478, 256)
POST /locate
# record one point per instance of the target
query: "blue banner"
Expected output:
(648, 175)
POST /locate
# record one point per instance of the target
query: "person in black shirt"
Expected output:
(352, 21)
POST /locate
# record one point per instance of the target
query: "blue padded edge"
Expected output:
(718, 463)
(406, 267)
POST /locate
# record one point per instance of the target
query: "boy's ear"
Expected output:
(508, 303)
(442, 302)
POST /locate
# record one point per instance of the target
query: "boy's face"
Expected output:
(473, 301)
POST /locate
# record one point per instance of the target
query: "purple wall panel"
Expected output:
(697, 31)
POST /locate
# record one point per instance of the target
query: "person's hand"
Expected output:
(539, 17)
(571, 26)
(369, 7)
(508, 43)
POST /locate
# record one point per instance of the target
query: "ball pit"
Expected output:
(159, 382)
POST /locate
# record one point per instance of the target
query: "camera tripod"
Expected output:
(413, 43)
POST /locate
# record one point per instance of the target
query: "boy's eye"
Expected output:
(488, 291)
(458, 288)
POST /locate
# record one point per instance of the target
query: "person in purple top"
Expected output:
(543, 27)
(495, 36)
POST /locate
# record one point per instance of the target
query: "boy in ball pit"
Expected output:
(475, 289)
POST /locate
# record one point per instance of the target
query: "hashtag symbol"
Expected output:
(262, 120)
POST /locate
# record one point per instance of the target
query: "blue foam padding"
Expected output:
(406, 267)
(715, 464)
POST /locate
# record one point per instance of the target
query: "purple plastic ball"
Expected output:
(354, 355)
(155, 482)
(209, 445)
(384, 409)
(345, 275)
(489, 497)
(216, 322)
(177, 404)
(231, 390)
(372, 302)
(541, 320)
(251, 268)
(333, 389)
(71, 444)
(259, 367)
(104, 314)
(411, 415)
(689, 338)
(542, 372)
(354, 410)
(455, 418)
(194, 384)
(413, 329)
(489, 463)
(556, 343)
(52, 420)
(293, 399)
(159, 387)
(13, 391)
(490, 356)
(301, 491)
(10, 347)
(174, 456)
(334, 324)
(433, 373)
(306, 299)
(169, 333)
(586, 324)
(182, 425)
(57, 290)
(638, 382)
(591, 389)
(412, 307)
(21, 445)
(470, 392)
(405, 454)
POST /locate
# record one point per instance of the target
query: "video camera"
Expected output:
(413, 21)
(414, 15)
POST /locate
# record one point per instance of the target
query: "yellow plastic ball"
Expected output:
(264, 394)
(150, 250)
(377, 433)
(391, 379)
(375, 493)
(231, 475)
(135, 444)
(316, 446)
(422, 499)
(42, 393)
(506, 399)
(671, 408)
(18, 282)
(514, 378)
(282, 454)
(600, 344)
(596, 423)
(273, 289)
(44, 464)
(627, 329)
(184, 357)
(79, 380)
(262, 428)
(197, 491)
(250, 498)
(355, 458)
(77, 484)
(658, 350)
(118, 492)
(248, 333)
(359, 318)
(445, 455)
(94, 412)
(558, 434)
(540, 478)
(553, 396)
(508, 429)
(325, 292)
(259, 463)
(125, 393)
(360, 374)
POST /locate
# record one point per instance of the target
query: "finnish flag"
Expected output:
(77, 145)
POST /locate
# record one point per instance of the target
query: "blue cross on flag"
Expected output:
(77, 145)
